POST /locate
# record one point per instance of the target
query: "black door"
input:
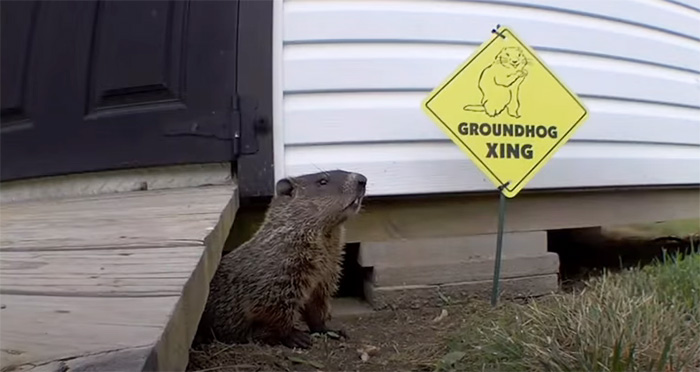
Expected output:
(98, 85)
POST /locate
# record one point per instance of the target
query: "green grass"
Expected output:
(644, 319)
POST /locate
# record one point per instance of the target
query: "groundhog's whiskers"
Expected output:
(325, 172)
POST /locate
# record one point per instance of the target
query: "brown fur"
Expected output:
(289, 268)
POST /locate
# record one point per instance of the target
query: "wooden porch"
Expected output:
(110, 282)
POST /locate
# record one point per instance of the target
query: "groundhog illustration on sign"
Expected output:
(289, 269)
(499, 84)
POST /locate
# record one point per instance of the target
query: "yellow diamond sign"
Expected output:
(507, 110)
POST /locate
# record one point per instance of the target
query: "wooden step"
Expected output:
(109, 282)
(465, 271)
(435, 251)
(416, 296)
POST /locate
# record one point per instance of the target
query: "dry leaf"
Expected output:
(440, 317)
(366, 351)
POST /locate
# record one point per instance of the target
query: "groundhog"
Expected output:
(290, 268)
(499, 83)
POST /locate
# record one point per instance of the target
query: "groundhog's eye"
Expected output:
(322, 181)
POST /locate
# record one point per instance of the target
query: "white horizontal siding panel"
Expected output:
(426, 168)
(471, 22)
(328, 68)
(689, 4)
(355, 72)
(397, 117)
(660, 15)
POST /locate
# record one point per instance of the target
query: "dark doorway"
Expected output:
(353, 276)
(97, 85)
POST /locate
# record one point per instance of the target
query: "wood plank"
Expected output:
(120, 272)
(87, 282)
(449, 216)
(417, 296)
(38, 329)
(450, 249)
(464, 271)
(117, 181)
(114, 219)
(131, 359)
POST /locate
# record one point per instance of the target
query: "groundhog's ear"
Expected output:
(284, 187)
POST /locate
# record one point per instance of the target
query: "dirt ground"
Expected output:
(416, 339)
(406, 340)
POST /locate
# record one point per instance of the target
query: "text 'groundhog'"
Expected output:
(508, 150)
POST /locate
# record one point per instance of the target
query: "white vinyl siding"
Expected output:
(353, 75)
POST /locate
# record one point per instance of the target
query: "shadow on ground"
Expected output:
(587, 252)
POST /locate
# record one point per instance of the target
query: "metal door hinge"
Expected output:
(250, 124)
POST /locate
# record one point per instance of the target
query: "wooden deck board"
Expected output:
(113, 281)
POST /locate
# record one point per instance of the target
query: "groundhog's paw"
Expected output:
(298, 339)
